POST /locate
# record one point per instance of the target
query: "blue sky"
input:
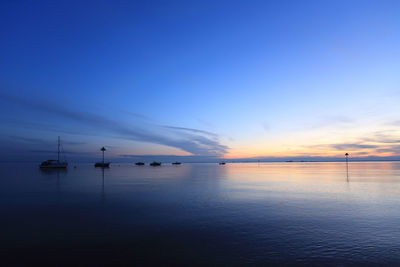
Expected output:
(233, 79)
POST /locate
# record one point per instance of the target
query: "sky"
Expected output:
(200, 80)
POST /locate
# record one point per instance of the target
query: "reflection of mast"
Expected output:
(58, 182)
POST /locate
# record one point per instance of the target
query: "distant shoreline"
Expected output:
(227, 161)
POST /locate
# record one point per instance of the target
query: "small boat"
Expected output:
(102, 164)
(176, 163)
(222, 163)
(139, 163)
(54, 164)
(154, 163)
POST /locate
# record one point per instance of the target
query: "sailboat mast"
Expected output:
(58, 151)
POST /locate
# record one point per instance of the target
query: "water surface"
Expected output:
(267, 213)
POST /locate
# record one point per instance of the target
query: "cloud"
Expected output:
(28, 140)
(332, 120)
(43, 151)
(189, 130)
(42, 142)
(391, 149)
(387, 140)
(266, 126)
(376, 143)
(133, 114)
(394, 123)
(169, 158)
(206, 123)
(194, 141)
(352, 146)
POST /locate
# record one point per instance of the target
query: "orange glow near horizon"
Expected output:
(359, 141)
(330, 154)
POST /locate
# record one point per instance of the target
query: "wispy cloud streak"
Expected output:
(194, 141)
(197, 131)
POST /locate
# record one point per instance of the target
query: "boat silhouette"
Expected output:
(102, 164)
(154, 163)
(54, 164)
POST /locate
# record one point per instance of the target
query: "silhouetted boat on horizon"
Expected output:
(154, 163)
(102, 164)
(176, 163)
(222, 163)
(139, 163)
(54, 164)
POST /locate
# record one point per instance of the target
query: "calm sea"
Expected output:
(196, 214)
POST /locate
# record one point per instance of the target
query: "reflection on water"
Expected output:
(102, 185)
(259, 213)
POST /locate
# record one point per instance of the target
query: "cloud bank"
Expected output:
(194, 141)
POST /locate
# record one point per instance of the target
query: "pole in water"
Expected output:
(103, 149)
(347, 164)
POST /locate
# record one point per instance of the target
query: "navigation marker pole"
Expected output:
(103, 149)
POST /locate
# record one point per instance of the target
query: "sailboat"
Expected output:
(54, 164)
(102, 164)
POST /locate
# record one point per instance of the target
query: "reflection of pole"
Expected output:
(347, 164)
(102, 184)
